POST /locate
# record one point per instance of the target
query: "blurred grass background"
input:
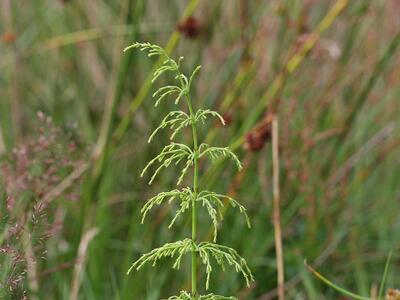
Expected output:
(328, 69)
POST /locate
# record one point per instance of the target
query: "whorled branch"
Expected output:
(154, 50)
(183, 295)
(202, 114)
(187, 296)
(185, 196)
(175, 120)
(210, 200)
(173, 153)
(215, 153)
(179, 249)
(223, 255)
(163, 92)
(213, 203)
(216, 297)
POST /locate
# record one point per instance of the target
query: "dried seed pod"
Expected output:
(190, 27)
(8, 37)
(256, 138)
(393, 294)
(228, 118)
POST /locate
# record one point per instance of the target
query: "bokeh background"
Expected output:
(75, 114)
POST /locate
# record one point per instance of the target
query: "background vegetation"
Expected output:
(75, 114)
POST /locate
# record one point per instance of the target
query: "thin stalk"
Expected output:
(195, 190)
(334, 286)
(385, 272)
(111, 93)
(31, 263)
(276, 211)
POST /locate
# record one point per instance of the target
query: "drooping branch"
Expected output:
(173, 153)
(154, 50)
(185, 195)
(163, 92)
(187, 296)
(202, 114)
(213, 203)
(216, 297)
(223, 255)
(215, 153)
(175, 120)
(177, 249)
(183, 295)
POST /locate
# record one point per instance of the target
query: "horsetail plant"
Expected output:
(189, 198)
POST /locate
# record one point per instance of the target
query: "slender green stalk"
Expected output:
(384, 276)
(334, 286)
(195, 191)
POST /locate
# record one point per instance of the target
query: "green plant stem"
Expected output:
(195, 190)
(334, 286)
(385, 272)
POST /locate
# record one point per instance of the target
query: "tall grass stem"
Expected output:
(276, 210)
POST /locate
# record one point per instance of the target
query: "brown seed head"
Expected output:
(393, 294)
(256, 138)
(228, 118)
(8, 37)
(190, 27)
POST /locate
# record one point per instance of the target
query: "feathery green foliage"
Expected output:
(188, 197)
(186, 296)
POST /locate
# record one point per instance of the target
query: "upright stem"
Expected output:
(195, 191)
(277, 212)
